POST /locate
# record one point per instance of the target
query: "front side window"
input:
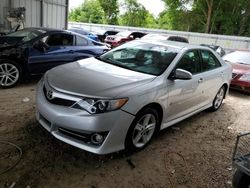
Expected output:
(60, 39)
(80, 41)
(141, 57)
(209, 61)
(190, 62)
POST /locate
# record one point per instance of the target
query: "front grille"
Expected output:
(234, 75)
(45, 121)
(58, 101)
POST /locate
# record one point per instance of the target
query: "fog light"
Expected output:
(97, 139)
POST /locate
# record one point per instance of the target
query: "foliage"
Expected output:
(90, 11)
(135, 15)
(111, 11)
(231, 17)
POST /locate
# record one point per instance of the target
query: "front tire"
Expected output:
(142, 130)
(218, 99)
(10, 73)
(241, 180)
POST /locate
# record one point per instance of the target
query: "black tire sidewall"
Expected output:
(240, 180)
(128, 142)
(213, 108)
(2, 61)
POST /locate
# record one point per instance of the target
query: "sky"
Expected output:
(153, 6)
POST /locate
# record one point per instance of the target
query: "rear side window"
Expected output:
(60, 39)
(190, 62)
(80, 41)
(209, 61)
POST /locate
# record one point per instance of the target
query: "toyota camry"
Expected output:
(123, 98)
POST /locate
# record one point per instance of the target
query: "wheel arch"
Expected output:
(156, 106)
(226, 87)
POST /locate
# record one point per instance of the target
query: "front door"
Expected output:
(60, 51)
(185, 95)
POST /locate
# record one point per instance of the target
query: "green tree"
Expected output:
(111, 11)
(210, 16)
(90, 12)
(136, 15)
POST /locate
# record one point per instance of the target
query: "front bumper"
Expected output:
(55, 118)
(240, 86)
(112, 43)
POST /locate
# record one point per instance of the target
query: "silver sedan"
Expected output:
(123, 98)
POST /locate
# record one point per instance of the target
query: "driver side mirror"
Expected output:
(41, 46)
(181, 74)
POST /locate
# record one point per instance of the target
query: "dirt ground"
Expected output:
(194, 153)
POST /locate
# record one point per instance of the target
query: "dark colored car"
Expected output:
(122, 37)
(216, 48)
(33, 51)
(102, 34)
(85, 33)
(175, 38)
(240, 61)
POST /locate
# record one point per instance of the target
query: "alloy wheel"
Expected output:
(219, 98)
(9, 74)
(144, 130)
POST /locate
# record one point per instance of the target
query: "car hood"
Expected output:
(240, 68)
(6, 40)
(94, 78)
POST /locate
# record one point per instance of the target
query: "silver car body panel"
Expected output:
(179, 99)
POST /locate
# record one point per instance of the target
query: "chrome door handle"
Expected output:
(200, 80)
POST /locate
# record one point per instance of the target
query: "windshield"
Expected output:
(141, 57)
(238, 57)
(124, 33)
(26, 34)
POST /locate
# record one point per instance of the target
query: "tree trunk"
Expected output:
(209, 15)
(244, 18)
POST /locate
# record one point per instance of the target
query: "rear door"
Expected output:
(84, 48)
(213, 74)
(185, 96)
(60, 51)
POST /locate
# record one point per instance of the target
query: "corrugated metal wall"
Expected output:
(227, 42)
(4, 4)
(39, 13)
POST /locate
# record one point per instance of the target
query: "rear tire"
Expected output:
(142, 130)
(241, 180)
(218, 99)
(10, 74)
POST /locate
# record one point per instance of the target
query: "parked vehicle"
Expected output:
(36, 50)
(124, 97)
(122, 37)
(241, 160)
(240, 61)
(85, 33)
(216, 48)
(152, 36)
(102, 34)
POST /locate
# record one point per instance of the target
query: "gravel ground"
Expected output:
(194, 153)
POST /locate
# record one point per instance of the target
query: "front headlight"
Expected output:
(96, 106)
(245, 77)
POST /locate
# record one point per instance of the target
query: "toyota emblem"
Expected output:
(50, 94)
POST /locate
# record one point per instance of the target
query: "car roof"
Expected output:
(175, 44)
(41, 29)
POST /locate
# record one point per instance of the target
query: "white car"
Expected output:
(121, 99)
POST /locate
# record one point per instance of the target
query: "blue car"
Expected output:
(33, 51)
(85, 33)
